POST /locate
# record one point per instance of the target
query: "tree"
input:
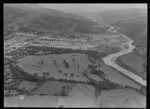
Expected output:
(91, 66)
(65, 74)
(35, 74)
(72, 74)
(60, 71)
(63, 92)
(66, 64)
(61, 106)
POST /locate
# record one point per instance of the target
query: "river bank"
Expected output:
(111, 60)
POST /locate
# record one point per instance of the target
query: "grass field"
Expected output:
(122, 98)
(115, 76)
(133, 63)
(53, 88)
(65, 66)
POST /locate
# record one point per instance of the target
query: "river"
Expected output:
(111, 60)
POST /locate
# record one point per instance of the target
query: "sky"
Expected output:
(93, 7)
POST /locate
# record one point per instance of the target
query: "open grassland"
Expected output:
(114, 76)
(80, 96)
(121, 98)
(31, 101)
(133, 63)
(27, 86)
(64, 66)
(54, 88)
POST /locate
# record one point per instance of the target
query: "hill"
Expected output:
(27, 18)
(131, 22)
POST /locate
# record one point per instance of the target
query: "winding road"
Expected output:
(111, 60)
